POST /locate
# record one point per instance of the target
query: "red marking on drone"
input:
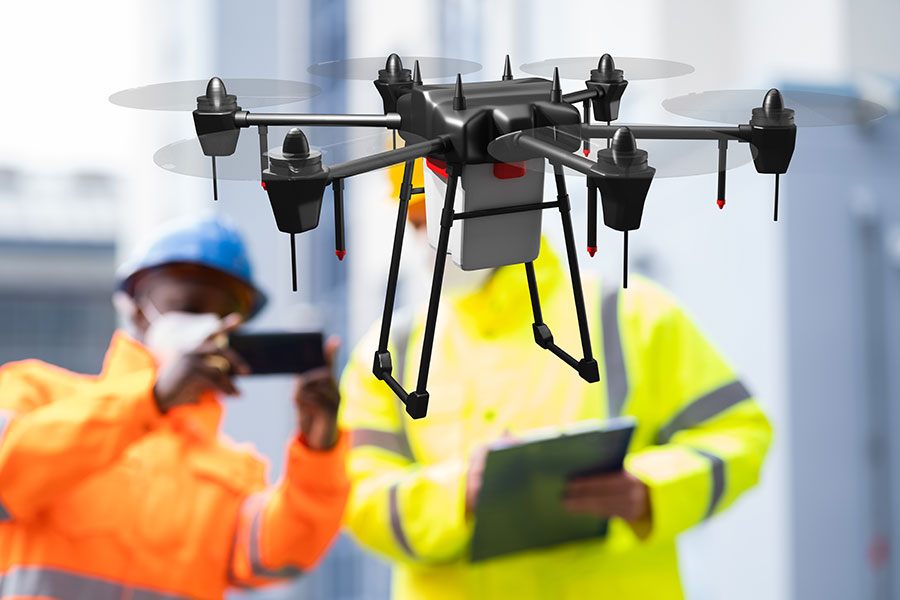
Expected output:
(586, 151)
(263, 184)
(340, 254)
(592, 250)
(438, 166)
(721, 204)
(509, 170)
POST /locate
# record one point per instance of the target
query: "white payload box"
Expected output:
(494, 241)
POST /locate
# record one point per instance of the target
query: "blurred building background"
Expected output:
(808, 307)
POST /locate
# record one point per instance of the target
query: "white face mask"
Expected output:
(173, 333)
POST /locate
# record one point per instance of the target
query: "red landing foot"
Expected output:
(592, 250)
(340, 254)
(721, 204)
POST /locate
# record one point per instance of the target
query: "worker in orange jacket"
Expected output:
(120, 485)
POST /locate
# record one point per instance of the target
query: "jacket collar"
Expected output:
(127, 355)
(504, 303)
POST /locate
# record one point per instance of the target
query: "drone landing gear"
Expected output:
(586, 367)
(416, 401)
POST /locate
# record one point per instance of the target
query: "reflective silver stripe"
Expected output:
(5, 417)
(613, 355)
(396, 525)
(395, 442)
(704, 408)
(718, 480)
(48, 582)
(256, 566)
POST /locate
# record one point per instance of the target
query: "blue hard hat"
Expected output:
(210, 240)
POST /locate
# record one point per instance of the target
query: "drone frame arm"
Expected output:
(245, 118)
(740, 133)
(580, 96)
(554, 153)
(387, 158)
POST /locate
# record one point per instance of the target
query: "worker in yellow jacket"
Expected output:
(121, 486)
(699, 443)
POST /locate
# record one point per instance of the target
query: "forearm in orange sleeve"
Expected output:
(287, 528)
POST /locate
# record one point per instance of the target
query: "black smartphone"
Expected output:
(279, 353)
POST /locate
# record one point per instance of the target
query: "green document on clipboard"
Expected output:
(520, 502)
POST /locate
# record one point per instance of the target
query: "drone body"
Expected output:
(472, 116)
(485, 146)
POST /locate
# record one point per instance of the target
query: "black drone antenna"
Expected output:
(555, 88)
(417, 75)
(459, 99)
(263, 151)
(777, 175)
(507, 70)
(340, 248)
(215, 184)
(723, 149)
(592, 215)
(294, 262)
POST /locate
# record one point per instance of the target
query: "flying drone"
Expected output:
(486, 147)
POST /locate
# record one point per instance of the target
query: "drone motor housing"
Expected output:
(625, 181)
(773, 134)
(610, 84)
(295, 183)
(393, 81)
(214, 120)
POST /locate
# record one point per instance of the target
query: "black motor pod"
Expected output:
(393, 81)
(214, 120)
(623, 178)
(295, 182)
(772, 134)
(610, 85)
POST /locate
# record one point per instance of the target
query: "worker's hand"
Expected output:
(317, 399)
(618, 494)
(476, 467)
(209, 366)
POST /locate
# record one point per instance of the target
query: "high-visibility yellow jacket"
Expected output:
(699, 444)
(102, 497)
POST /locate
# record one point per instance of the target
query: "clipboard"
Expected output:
(520, 502)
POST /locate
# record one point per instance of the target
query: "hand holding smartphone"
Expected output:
(271, 353)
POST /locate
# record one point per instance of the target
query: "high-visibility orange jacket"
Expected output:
(103, 497)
